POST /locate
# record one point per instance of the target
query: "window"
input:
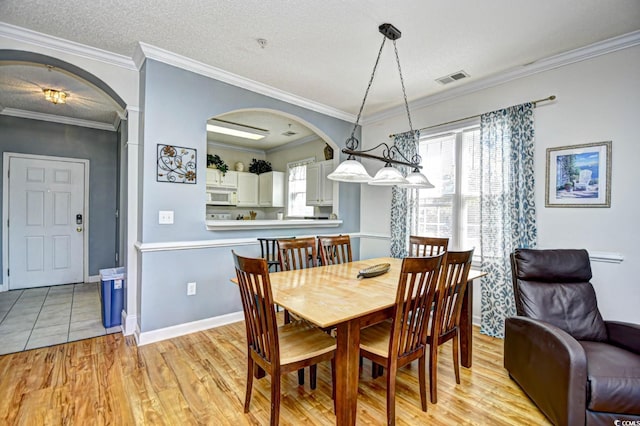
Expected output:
(452, 208)
(297, 189)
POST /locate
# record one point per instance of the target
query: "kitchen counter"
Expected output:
(231, 225)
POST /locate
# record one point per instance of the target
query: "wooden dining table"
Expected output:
(333, 296)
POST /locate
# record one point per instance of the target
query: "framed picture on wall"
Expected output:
(579, 175)
(176, 164)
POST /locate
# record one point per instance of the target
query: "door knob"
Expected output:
(79, 229)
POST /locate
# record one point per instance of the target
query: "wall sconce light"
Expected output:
(55, 96)
(352, 170)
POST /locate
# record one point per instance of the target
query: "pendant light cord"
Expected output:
(366, 93)
(404, 92)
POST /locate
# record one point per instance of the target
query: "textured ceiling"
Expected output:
(324, 50)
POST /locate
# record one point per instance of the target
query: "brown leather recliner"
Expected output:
(577, 368)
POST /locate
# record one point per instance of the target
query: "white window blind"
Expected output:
(297, 189)
(452, 208)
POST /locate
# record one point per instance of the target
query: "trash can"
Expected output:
(112, 292)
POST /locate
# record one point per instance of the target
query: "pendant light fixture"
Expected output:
(352, 170)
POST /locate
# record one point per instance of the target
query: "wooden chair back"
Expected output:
(299, 253)
(415, 295)
(453, 284)
(257, 304)
(335, 250)
(427, 246)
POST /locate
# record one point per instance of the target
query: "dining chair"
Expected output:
(393, 344)
(334, 249)
(269, 251)
(278, 350)
(297, 253)
(294, 254)
(454, 274)
(427, 246)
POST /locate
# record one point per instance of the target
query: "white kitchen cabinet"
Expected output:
(247, 189)
(217, 179)
(319, 188)
(271, 189)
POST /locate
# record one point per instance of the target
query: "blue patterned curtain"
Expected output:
(404, 202)
(507, 209)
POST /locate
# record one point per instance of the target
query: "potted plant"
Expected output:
(259, 166)
(568, 186)
(216, 162)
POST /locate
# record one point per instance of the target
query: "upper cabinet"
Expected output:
(319, 188)
(247, 189)
(271, 189)
(217, 179)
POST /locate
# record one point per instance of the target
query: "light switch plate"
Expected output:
(165, 217)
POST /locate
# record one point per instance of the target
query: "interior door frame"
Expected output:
(6, 158)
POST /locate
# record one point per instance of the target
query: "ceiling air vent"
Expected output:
(459, 75)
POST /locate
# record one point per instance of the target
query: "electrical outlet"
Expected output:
(165, 217)
(191, 289)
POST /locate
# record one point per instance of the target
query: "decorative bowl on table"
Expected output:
(374, 271)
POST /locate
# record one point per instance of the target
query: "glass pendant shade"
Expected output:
(350, 171)
(388, 176)
(417, 180)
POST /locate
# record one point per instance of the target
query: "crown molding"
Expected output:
(20, 113)
(147, 51)
(51, 42)
(567, 58)
(295, 143)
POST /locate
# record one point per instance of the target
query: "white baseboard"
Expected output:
(93, 278)
(476, 320)
(144, 338)
(129, 323)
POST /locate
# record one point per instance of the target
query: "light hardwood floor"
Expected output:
(200, 379)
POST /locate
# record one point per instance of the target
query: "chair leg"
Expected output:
(422, 367)
(374, 370)
(313, 372)
(391, 397)
(287, 317)
(275, 398)
(247, 395)
(456, 358)
(433, 372)
(301, 377)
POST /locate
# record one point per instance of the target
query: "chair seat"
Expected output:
(614, 378)
(375, 338)
(301, 340)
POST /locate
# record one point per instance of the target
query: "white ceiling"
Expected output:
(319, 50)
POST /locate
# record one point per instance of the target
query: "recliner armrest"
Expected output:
(550, 366)
(624, 335)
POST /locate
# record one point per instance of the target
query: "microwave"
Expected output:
(220, 197)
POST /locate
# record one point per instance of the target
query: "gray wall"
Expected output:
(181, 121)
(100, 148)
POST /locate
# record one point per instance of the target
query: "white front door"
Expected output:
(46, 222)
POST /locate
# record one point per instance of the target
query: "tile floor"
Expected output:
(44, 316)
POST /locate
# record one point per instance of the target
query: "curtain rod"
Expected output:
(550, 98)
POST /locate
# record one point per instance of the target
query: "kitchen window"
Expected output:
(451, 161)
(297, 189)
